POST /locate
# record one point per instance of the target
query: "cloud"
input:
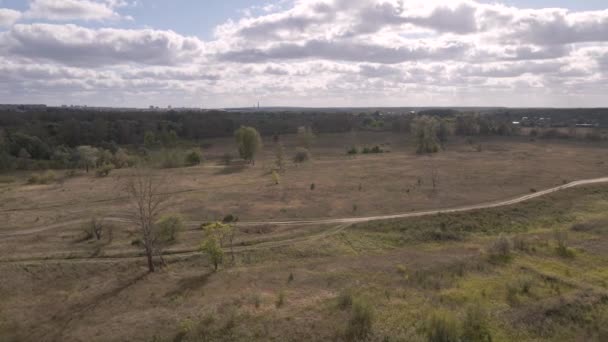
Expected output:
(556, 26)
(311, 52)
(8, 17)
(65, 10)
(75, 45)
(346, 51)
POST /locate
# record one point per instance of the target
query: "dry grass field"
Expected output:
(395, 280)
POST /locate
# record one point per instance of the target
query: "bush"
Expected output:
(276, 178)
(104, 170)
(170, 160)
(442, 327)
(501, 249)
(361, 322)
(45, 178)
(561, 238)
(169, 227)
(194, 157)
(345, 300)
(352, 150)
(475, 326)
(280, 299)
(302, 155)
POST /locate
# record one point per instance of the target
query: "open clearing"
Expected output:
(287, 282)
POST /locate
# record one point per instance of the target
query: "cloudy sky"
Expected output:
(228, 53)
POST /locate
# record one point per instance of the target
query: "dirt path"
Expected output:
(350, 220)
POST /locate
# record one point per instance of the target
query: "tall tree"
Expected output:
(249, 142)
(425, 129)
(148, 199)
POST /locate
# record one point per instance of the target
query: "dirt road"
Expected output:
(350, 220)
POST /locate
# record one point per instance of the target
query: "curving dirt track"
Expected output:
(349, 220)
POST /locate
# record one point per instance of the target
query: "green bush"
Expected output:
(169, 227)
(442, 327)
(170, 160)
(104, 170)
(44, 178)
(475, 326)
(361, 322)
(194, 157)
(352, 150)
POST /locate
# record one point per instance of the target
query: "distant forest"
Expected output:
(49, 137)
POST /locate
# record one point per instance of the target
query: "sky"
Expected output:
(312, 53)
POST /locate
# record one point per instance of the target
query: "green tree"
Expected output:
(150, 140)
(306, 137)
(276, 178)
(249, 143)
(169, 227)
(215, 233)
(194, 157)
(87, 156)
(425, 130)
(279, 155)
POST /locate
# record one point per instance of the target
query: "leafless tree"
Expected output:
(148, 198)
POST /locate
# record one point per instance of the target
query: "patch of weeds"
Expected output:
(280, 299)
(475, 326)
(500, 250)
(360, 324)
(522, 286)
(345, 300)
(402, 271)
(256, 300)
(561, 239)
(442, 326)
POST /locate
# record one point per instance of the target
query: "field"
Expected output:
(389, 280)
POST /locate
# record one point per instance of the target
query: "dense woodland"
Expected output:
(60, 138)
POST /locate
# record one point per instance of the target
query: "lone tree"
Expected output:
(279, 155)
(425, 129)
(249, 142)
(87, 156)
(306, 137)
(148, 200)
(215, 233)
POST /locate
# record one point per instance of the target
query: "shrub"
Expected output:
(561, 239)
(94, 229)
(194, 157)
(442, 327)
(361, 322)
(475, 326)
(352, 150)
(345, 300)
(104, 170)
(312, 186)
(45, 178)
(230, 218)
(169, 227)
(170, 160)
(501, 249)
(276, 178)
(280, 299)
(302, 155)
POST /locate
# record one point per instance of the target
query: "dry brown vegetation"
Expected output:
(377, 281)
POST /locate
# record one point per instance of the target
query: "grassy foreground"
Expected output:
(537, 271)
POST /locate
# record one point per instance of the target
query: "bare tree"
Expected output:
(149, 199)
